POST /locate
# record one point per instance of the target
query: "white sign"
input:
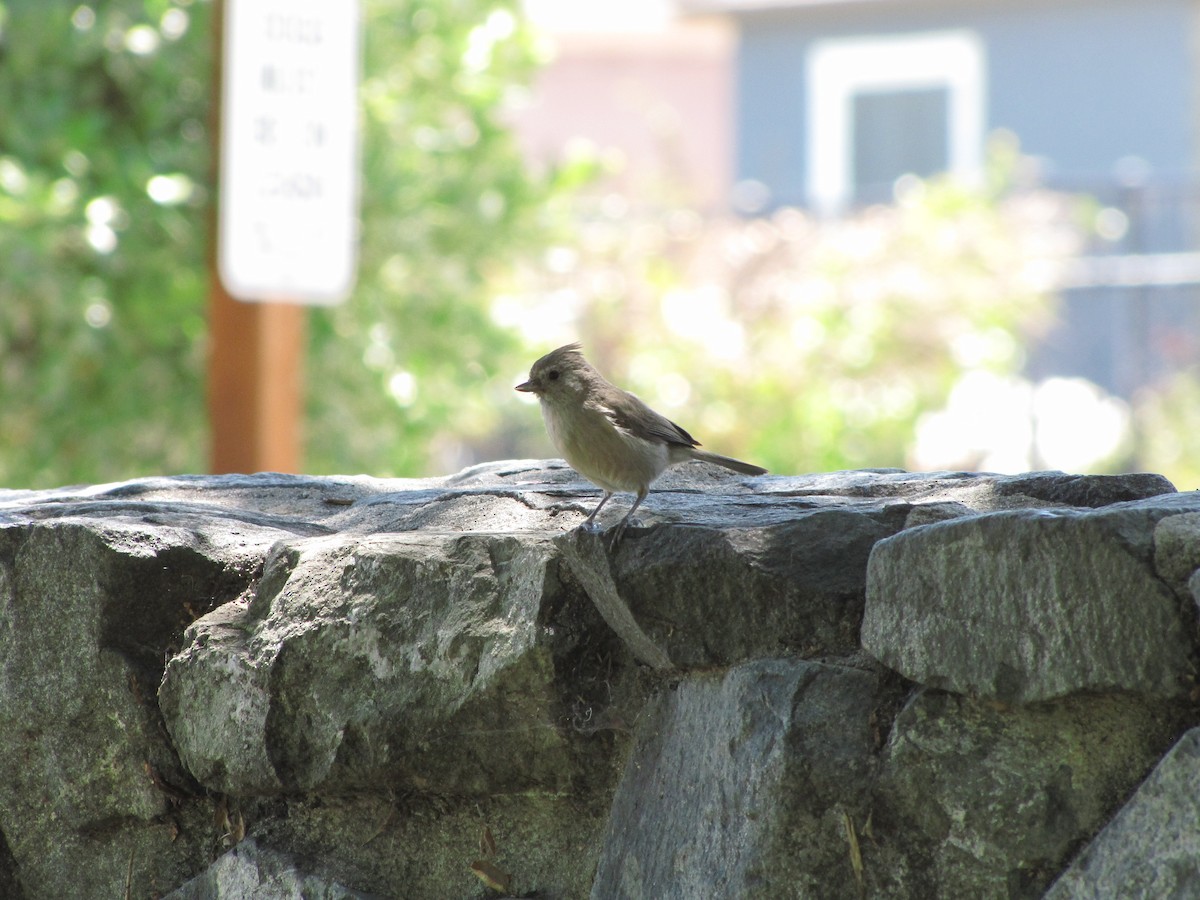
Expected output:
(289, 150)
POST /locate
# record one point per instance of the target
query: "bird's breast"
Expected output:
(606, 455)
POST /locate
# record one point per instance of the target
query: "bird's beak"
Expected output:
(527, 387)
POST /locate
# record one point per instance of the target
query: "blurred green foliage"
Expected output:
(101, 289)
(105, 194)
(801, 344)
(1167, 423)
(414, 365)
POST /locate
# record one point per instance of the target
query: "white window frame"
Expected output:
(838, 70)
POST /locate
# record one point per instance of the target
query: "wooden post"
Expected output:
(254, 383)
(255, 353)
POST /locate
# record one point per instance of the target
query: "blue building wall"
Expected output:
(1082, 84)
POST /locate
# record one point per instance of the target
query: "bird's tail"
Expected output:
(728, 462)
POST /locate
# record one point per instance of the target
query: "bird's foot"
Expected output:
(614, 539)
(618, 531)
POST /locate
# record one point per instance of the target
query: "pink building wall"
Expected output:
(660, 101)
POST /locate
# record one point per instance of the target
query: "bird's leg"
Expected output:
(619, 531)
(587, 523)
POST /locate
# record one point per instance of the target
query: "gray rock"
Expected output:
(1177, 549)
(217, 713)
(362, 660)
(587, 557)
(365, 674)
(400, 844)
(738, 784)
(1091, 491)
(1152, 847)
(982, 491)
(975, 800)
(1020, 606)
(249, 870)
(928, 513)
(8, 873)
(793, 588)
(86, 613)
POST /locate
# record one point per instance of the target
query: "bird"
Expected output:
(608, 435)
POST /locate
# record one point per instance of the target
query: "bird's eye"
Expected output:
(552, 374)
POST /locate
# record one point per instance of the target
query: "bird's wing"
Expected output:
(635, 417)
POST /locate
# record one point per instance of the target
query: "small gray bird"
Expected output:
(608, 435)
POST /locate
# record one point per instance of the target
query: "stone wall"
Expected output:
(858, 684)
